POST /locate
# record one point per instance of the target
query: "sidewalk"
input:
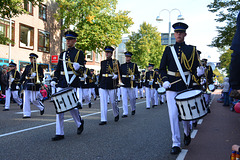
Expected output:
(218, 132)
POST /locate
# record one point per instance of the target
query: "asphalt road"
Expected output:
(144, 136)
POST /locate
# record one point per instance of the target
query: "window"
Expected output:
(28, 7)
(26, 36)
(43, 12)
(89, 56)
(97, 56)
(43, 41)
(4, 29)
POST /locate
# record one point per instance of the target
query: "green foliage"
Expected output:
(4, 40)
(146, 46)
(95, 21)
(225, 60)
(227, 11)
(218, 75)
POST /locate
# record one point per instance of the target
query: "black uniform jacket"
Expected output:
(74, 55)
(108, 66)
(29, 82)
(188, 58)
(15, 74)
(126, 70)
(150, 75)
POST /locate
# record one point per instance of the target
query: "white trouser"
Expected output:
(128, 92)
(104, 94)
(149, 97)
(34, 97)
(141, 92)
(143, 89)
(86, 95)
(136, 91)
(174, 121)
(60, 119)
(92, 91)
(119, 94)
(80, 95)
(155, 97)
(207, 97)
(53, 91)
(15, 97)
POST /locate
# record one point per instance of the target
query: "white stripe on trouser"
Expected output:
(128, 92)
(80, 95)
(31, 96)
(149, 97)
(60, 119)
(119, 94)
(136, 91)
(158, 97)
(86, 95)
(93, 93)
(104, 93)
(15, 97)
(174, 121)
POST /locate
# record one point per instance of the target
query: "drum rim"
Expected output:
(194, 118)
(184, 99)
(66, 110)
(64, 90)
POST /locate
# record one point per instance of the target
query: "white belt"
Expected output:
(107, 75)
(126, 76)
(69, 72)
(177, 74)
(195, 84)
(29, 77)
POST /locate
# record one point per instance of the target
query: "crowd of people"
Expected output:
(180, 70)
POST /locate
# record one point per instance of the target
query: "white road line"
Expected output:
(200, 121)
(48, 124)
(193, 134)
(31, 112)
(182, 154)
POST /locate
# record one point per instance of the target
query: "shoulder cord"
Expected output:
(70, 65)
(185, 61)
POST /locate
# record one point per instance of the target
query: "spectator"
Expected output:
(2, 97)
(3, 80)
(225, 87)
(44, 93)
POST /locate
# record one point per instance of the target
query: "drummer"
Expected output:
(187, 56)
(158, 84)
(66, 75)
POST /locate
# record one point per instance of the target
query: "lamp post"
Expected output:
(180, 17)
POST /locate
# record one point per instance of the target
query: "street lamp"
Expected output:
(180, 17)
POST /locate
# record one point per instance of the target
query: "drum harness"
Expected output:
(187, 82)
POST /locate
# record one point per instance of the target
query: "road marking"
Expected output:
(49, 124)
(200, 121)
(194, 132)
(182, 154)
(31, 112)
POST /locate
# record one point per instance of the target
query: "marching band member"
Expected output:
(66, 75)
(31, 86)
(157, 85)
(142, 84)
(129, 74)
(186, 55)
(12, 87)
(86, 92)
(150, 79)
(108, 83)
(92, 85)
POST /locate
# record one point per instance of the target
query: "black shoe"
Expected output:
(147, 108)
(95, 99)
(5, 109)
(124, 116)
(161, 102)
(102, 123)
(58, 137)
(51, 101)
(175, 150)
(208, 110)
(154, 106)
(79, 105)
(187, 139)
(141, 97)
(195, 124)
(42, 112)
(116, 118)
(89, 105)
(24, 117)
(133, 112)
(80, 129)
(21, 106)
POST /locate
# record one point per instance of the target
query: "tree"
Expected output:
(95, 21)
(218, 75)
(146, 46)
(225, 60)
(227, 11)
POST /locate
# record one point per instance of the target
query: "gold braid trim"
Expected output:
(195, 79)
(70, 65)
(186, 62)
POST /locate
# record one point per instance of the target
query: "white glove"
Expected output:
(114, 76)
(132, 77)
(200, 71)
(144, 81)
(33, 74)
(53, 83)
(12, 79)
(85, 75)
(76, 66)
(17, 87)
(151, 82)
(166, 85)
(203, 82)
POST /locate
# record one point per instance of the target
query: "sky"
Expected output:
(202, 26)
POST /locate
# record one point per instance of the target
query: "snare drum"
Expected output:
(65, 100)
(161, 90)
(211, 87)
(191, 104)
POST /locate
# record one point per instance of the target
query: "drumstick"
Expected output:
(175, 81)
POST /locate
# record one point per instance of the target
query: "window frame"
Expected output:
(40, 9)
(21, 24)
(44, 41)
(28, 7)
(88, 54)
(6, 31)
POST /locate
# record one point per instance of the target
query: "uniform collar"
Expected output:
(180, 44)
(69, 49)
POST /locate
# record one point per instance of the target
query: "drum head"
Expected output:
(211, 87)
(187, 94)
(64, 90)
(161, 90)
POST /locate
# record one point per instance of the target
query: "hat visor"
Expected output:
(180, 30)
